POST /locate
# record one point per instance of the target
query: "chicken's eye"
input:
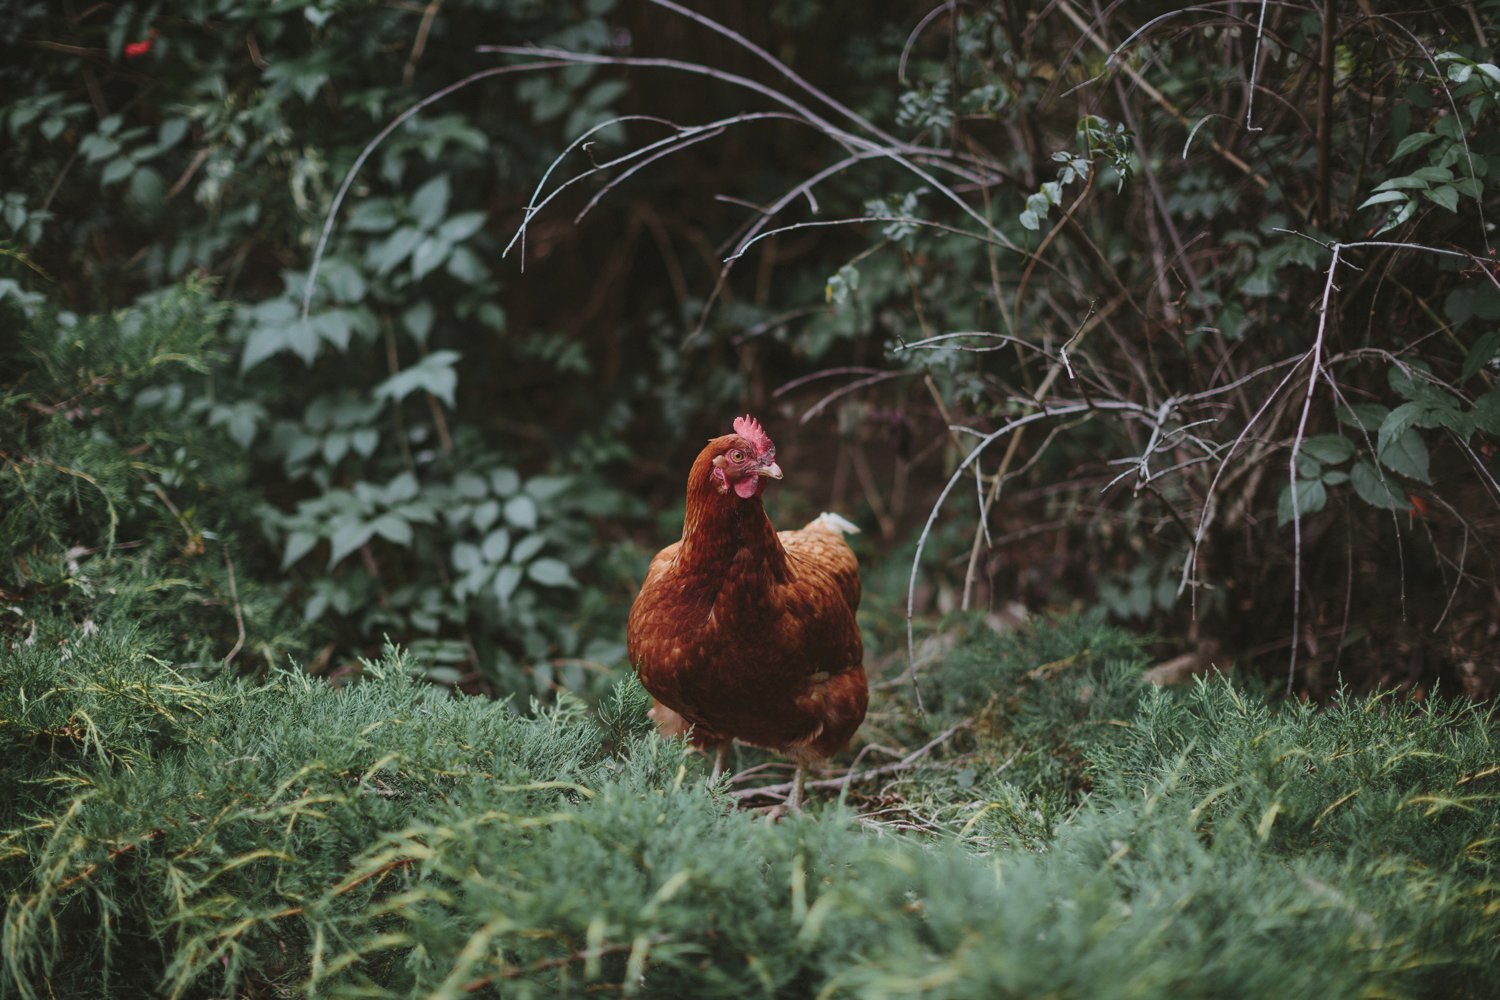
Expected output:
(736, 456)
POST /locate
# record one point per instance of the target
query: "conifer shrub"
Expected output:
(122, 497)
(389, 839)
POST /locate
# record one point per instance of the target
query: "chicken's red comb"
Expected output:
(748, 428)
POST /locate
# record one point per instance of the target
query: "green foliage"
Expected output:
(360, 430)
(122, 498)
(385, 838)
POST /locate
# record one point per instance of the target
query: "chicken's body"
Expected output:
(745, 634)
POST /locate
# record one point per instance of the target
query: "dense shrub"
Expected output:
(213, 837)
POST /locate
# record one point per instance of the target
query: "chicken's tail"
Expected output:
(836, 523)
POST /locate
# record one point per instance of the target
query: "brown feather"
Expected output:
(744, 633)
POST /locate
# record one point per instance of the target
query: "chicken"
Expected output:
(743, 633)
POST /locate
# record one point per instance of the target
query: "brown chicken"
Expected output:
(743, 633)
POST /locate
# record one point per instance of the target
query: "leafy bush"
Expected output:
(1161, 270)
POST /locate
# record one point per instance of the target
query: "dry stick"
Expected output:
(1260, 30)
(1014, 445)
(1325, 112)
(681, 137)
(1312, 383)
(1316, 353)
(905, 219)
(904, 764)
(650, 62)
(916, 562)
(981, 532)
(419, 45)
(373, 144)
(239, 614)
(1156, 95)
(899, 153)
(780, 67)
(916, 32)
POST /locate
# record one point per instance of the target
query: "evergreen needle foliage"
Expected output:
(201, 837)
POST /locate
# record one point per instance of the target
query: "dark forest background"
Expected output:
(350, 341)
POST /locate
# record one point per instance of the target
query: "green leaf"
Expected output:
(1486, 412)
(506, 582)
(1376, 488)
(393, 529)
(1312, 497)
(1397, 422)
(465, 265)
(433, 374)
(1412, 143)
(496, 544)
(147, 189)
(428, 255)
(505, 481)
(365, 440)
(1411, 183)
(1398, 217)
(1383, 198)
(375, 216)
(117, 170)
(386, 255)
(544, 488)
(1483, 351)
(1330, 449)
(1433, 175)
(1362, 416)
(1335, 477)
(343, 280)
(470, 485)
(1446, 196)
(485, 514)
(526, 548)
(458, 228)
(170, 133)
(465, 557)
(418, 321)
(551, 573)
(1407, 454)
(1411, 385)
(403, 487)
(97, 147)
(347, 537)
(521, 512)
(298, 544)
(430, 202)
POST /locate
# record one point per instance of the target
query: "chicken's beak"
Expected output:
(773, 470)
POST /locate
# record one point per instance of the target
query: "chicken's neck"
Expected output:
(722, 534)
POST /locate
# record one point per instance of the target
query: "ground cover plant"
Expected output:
(221, 837)
(1172, 319)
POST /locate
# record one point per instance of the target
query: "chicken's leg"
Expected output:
(794, 799)
(721, 757)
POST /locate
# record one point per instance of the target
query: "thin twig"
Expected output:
(904, 764)
(239, 613)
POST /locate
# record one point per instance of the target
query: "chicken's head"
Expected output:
(745, 459)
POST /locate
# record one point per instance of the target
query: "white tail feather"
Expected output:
(838, 523)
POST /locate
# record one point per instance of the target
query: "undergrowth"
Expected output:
(185, 812)
(201, 837)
